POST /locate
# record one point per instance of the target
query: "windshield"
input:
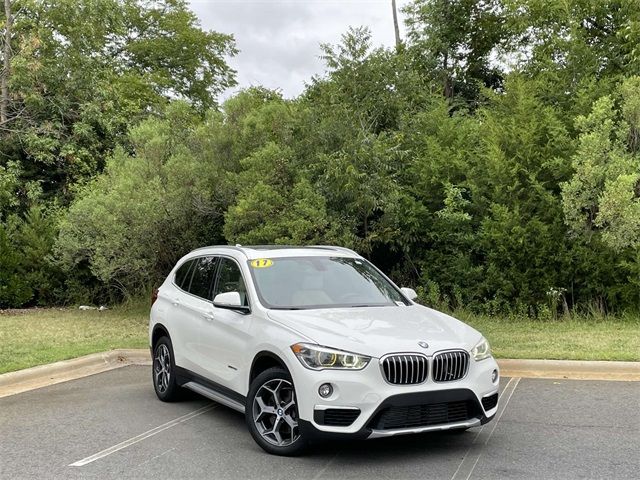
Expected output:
(321, 282)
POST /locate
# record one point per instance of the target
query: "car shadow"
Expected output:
(382, 449)
(379, 450)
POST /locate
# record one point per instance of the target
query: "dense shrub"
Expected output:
(499, 188)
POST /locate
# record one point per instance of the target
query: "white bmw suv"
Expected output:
(312, 343)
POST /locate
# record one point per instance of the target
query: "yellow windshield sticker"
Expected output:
(261, 263)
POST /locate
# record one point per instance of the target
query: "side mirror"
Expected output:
(230, 300)
(410, 293)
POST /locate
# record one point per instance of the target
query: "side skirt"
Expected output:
(211, 390)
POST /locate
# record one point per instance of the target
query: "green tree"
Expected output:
(9, 187)
(349, 148)
(602, 199)
(602, 196)
(33, 236)
(576, 50)
(451, 41)
(14, 290)
(515, 189)
(82, 72)
(130, 224)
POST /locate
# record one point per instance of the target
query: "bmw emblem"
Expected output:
(423, 344)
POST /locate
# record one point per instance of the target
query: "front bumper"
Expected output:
(387, 410)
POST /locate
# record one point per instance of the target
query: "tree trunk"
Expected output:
(6, 70)
(448, 83)
(395, 22)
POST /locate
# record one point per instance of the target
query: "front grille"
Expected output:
(490, 402)
(336, 417)
(449, 366)
(423, 415)
(407, 369)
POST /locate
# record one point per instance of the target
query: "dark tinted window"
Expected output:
(230, 280)
(183, 275)
(202, 278)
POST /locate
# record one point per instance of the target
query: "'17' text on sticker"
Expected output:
(261, 263)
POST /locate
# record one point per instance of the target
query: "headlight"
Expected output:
(316, 357)
(481, 350)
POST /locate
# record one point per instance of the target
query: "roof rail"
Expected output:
(242, 248)
(284, 247)
(334, 247)
(232, 247)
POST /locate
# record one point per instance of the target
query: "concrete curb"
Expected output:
(570, 369)
(44, 375)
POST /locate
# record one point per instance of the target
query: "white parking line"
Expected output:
(472, 461)
(142, 436)
(466, 454)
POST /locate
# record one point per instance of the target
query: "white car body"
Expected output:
(216, 350)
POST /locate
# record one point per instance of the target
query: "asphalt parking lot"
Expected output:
(111, 425)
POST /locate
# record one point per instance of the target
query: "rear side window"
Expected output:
(183, 275)
(203, 275)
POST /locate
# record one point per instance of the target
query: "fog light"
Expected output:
(494, 376)
(325, 390)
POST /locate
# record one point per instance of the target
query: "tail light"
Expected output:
(154, 296)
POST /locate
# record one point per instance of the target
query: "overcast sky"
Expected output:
(279, 39)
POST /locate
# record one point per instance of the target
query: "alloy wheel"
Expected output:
(162, 368)
(275, 413)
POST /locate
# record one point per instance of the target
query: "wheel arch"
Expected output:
(159, 331)
(264, 360)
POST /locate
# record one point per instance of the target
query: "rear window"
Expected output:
(183, 275)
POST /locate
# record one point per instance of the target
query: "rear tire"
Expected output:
(163, 371)
(272, 413)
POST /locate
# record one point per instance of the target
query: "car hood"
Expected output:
(376, 331)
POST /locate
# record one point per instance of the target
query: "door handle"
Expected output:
(176, 302)
(207, 316)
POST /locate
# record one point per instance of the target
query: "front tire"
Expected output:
(272, 413)
(163, 371)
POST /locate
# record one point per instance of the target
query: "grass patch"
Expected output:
(575, 338)
(39, 336)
